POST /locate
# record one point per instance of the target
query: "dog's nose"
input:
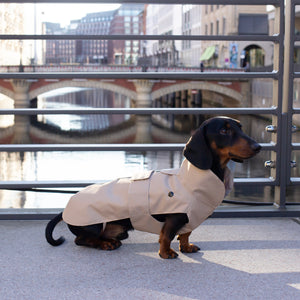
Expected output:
(256, 147)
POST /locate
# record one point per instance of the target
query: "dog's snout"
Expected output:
(256, 147)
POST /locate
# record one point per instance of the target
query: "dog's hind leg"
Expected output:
(114, 231)
(184, 245)
(92, 236)
(98, 243)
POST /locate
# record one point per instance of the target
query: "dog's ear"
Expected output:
(197, 151)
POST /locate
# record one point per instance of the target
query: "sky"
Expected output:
(64, 13)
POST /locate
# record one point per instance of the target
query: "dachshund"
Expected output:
(167, 202)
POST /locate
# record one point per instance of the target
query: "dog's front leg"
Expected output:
(184, 245)
(172, 225)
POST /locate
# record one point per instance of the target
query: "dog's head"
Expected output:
(220, 137)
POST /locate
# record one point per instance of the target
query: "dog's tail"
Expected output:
(49, 230)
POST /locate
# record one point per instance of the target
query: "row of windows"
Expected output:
(134, 43)
(133, 31)
(134, 25)
(133, 49)
(129, 12)
(131, 19)
(211, 8)
(93, 31)
(215, 28)
(95, 51)
(99, 19)
(186, 44)
(91, 26)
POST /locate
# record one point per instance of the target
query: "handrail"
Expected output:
(273, 38)
(20, 185)
(231, 2)
(139, 111)
(104, 147)
(140, 75)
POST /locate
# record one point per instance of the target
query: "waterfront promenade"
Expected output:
(239, 259)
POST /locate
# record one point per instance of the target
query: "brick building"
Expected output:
(128, 19)
(94, 51)
(59, 51)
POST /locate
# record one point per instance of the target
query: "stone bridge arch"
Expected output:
(10, 94)
(201, 85)
(84, 84)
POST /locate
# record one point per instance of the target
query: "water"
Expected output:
(68, 98)
(101, 166)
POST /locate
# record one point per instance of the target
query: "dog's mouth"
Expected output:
(237, 158)
(255, 148)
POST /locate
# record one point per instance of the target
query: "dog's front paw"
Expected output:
(189, 248)
(168, 254)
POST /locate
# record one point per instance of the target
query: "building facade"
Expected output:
(128, 20)
(164, 20)
(94, 51)
(11, 22)
(191, 25)
(232, 20)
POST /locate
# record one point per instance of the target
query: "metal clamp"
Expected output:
(294, 128)
(271, 128)
(271, 164)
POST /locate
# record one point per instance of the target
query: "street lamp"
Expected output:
(21, 67)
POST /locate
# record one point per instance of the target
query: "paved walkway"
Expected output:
(240, 259)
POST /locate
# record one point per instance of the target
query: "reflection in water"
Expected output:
(68, 98)
(102, 166)
(6, 103)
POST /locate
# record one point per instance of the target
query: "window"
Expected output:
(224, 26)
(211, 28)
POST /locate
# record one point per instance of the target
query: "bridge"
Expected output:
(143, 93)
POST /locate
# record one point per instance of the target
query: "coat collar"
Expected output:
(192, 175)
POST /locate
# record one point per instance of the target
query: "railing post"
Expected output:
(284, 147)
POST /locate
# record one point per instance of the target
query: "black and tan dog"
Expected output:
(166, 202)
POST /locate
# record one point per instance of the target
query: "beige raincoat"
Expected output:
(187, 190)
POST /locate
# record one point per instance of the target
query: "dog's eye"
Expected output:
(224, 131)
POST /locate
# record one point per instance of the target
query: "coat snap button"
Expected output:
(171, 194)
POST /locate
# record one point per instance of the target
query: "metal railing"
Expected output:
(281, 111)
